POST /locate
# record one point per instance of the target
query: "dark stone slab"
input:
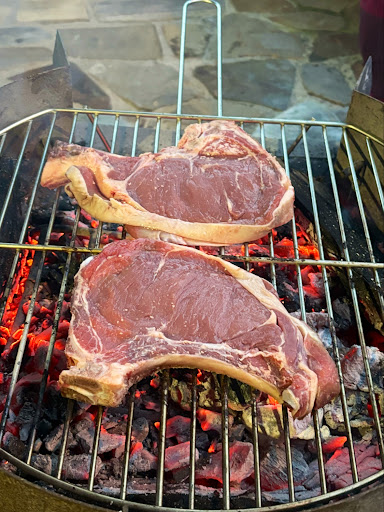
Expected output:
(275, 6)
(18, 35)
(310, 20)
(117, 9)
(131, 42)
(268, 83)
(196, 41)
(326, 82)
(148, 86)
(326, 5)
(249, 37)
(328, 46)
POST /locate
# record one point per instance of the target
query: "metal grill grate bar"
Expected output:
(192, 453)
(247, 261)
(162, 433)
(364, 222)
(356, 305)
(95, 446)
(225, 444)
(287, 439)
(323, 484)
(128, 433)
(327, 291)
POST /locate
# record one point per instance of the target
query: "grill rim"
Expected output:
(102, 498)
(93, 248)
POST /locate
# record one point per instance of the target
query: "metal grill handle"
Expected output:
(182, 59)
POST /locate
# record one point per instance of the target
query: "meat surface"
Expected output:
(218, 186)
(143, 305)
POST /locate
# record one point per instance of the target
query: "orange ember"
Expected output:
(334, 444)
(212, 447)
(272, 400)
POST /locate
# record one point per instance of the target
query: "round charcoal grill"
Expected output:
(122, 132)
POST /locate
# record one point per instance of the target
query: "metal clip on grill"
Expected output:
(41, 250)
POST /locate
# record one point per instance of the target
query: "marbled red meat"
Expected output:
(143, 305)
(218, 186)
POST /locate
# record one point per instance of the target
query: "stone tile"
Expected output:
(249, 37)
(24, 58)
(196, 41)
(5, 15)
(21, 35)
(131, 42)
(326, 5)
(326, 82)
(148, 86)
(328, 46)
(208, 106)
(261, 6)
(310, 20)
(107, 10)
(49, 11)
(352, 18)
(268, 83)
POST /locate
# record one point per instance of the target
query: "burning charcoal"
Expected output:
(240, 463)
(273, 468)
(140, 429)
(237, 432)
(86, 422)
(116, 466)
(178, 456)
(202, 441)
(141, 461)
(358, 403)
(55, 405)
(13, 445)
(270, 423)
(45, 463)
(85, 439)
(317, 283)
(282, 496)
(53, 440)
(180, 393)
(210, 420)
(354, 372)
(338, 469)
(44, 427)
(37, 445)
(109, 442)
(342, 313)
(326, 338)
(7, 466)
(25, 420)
(334, 443)
(315, 319)
(76, 467)
(179, 427)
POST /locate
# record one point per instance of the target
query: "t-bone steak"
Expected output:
(143, 305)
(218, 186)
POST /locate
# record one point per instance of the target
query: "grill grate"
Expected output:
(116, 122)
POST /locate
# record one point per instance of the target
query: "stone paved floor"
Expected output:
(296, 58)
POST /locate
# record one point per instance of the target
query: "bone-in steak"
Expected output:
(143, 305)
(219, 186)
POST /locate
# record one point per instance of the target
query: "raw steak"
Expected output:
(219, 186)
(143, 305)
